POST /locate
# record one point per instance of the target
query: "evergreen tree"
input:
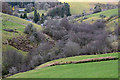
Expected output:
(42, 18)
(62, 12)
(36, 16)
(21, 16)
(67, 8)
(25, 15)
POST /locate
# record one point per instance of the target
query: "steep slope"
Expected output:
(12, 22)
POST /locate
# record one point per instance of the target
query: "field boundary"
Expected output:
(82, 61)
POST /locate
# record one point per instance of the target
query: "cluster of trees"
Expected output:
(46, 5)
(61, 11)
(29, 7)
(37, 18)
(87, 36)
(20, 4)
(33, 35)
(12, 62)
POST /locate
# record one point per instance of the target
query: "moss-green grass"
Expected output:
(104, 69)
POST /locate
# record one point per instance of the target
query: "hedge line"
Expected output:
(83, 61)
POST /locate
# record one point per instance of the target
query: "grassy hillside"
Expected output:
(110, 25)
(96, 16)
(83, 70)
(12, 22)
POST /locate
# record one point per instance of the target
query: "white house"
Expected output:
(21, 10)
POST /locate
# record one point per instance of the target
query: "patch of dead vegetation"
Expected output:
(82, 61)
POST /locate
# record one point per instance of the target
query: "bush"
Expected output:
(29, 29)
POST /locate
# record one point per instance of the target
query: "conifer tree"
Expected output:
(42, 19)
(21, 16)
(36, 18)
(25, 15)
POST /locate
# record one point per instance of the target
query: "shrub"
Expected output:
(29, 29)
